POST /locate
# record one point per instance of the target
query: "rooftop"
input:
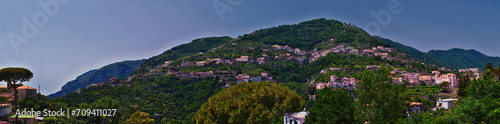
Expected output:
(301, 114)
(25, 87)
(415, 103)
(447, 100)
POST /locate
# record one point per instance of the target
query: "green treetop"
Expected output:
(250, 103)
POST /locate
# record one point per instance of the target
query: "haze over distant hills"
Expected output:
(119, 69)
(455, 58)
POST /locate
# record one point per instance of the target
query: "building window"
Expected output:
(440, 105)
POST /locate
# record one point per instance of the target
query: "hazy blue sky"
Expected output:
(76, 36)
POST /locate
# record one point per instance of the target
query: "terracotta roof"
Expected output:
(25, 87)
(415, 103)
(447, 100)
(2, 87)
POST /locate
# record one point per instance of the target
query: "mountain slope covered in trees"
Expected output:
(459, 58)
(454, 58)
(169, 96)
(120, 69)
(194, 47)
(411, 52)
(158, 91)
(318, 33)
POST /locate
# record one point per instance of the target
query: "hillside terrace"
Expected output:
(291, 54)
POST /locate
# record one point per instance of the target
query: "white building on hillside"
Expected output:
(295, 118)
(445, 103)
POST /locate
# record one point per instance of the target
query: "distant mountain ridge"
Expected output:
(411, 52)
(455, 58)
(103, 74)
(459, 58)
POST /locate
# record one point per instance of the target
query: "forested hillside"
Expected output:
(460, 58)
(318, 33)
(411, 52)
(172, 86)
(120, 69)
(194, 47)
(454, 58)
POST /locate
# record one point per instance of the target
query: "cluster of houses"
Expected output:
(113, 82)
(444, 69)
(381, 51)
(22, 92)
(337, 49)
(193, 74)
(246, 78)
(261, 60)
(298, 56)
(286, 47)
(203, 63)
(415, 79)
(373, 67)
(335, 82)
(469, 70)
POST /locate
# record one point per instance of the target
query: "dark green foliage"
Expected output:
(32, 102)
(194, 47)
(286, 71)
(497, 71)
(15, 75)
(103, 103)
(423, 83)
(311, 90)
(333, 107)
(463, 83)
(120, 69)
(250, 103)
(486, 87)
(336, 59)
(379, 101)
(445, 85)
(481, 105)
(170, 97)
(306, 35)
(489, 67)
